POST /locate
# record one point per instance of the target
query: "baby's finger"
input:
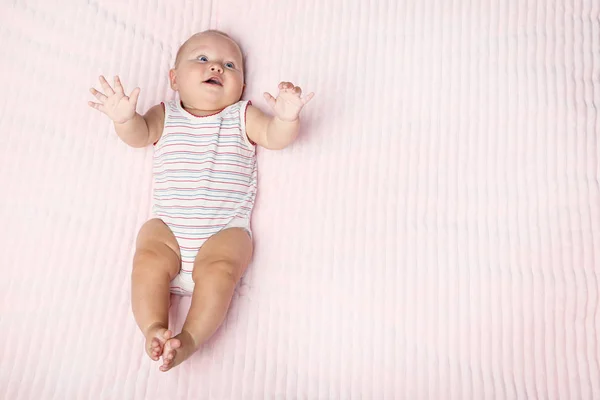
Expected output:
(298, 91)
(97, 106)
(107, 89)
(270, 99)
(134, 96)
(285, 85)
(308, 98)
(118, 85)
(98, 95)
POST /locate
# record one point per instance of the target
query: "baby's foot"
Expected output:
(177, 350)
(156, 337)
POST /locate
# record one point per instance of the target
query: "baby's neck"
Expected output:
(199, 112)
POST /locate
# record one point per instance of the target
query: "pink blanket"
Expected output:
(433, 234)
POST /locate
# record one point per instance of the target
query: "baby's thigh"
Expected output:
(156, 247)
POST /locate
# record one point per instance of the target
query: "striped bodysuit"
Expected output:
(205, 179)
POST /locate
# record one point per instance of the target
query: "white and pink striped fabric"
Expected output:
(204, 179)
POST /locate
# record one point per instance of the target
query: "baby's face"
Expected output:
(208, 74)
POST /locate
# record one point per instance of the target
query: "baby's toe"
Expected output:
(168, 355)
(166, 364)
(155, 348)
(174, 344)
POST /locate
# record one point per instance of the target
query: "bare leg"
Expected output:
(155, 264)
(220, 264)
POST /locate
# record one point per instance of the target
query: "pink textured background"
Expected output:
(434, 233)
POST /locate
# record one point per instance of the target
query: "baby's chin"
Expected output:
(208, 101)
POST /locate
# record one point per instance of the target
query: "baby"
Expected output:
(199, 241)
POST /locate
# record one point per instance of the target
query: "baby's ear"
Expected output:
(173, 79)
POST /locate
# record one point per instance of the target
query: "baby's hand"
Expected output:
(115, 104)
(288, 104)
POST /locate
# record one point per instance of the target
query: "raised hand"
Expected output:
(289, 103)
(114, 103)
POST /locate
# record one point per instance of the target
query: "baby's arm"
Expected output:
(131, 127)
(279, 131)
(141, 131)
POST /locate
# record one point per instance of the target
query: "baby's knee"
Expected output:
(159, 259)
(224, 269)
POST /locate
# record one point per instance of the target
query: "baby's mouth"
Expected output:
(213, 81)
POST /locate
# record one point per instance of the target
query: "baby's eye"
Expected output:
(203, 58)
(229, 65)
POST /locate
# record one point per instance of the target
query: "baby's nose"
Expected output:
(216, 67)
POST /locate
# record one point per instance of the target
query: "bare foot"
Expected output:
(156, 337)
(177, 350)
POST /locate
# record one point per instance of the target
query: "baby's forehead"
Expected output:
(210, 41)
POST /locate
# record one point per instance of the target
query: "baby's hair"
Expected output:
(215, 31)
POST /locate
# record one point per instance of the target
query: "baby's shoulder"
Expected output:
(169, 106)
(235, 108)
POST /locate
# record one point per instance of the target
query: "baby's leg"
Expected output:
(220, 264)
(155, 264)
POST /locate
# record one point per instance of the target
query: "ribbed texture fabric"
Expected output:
(434, 233)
